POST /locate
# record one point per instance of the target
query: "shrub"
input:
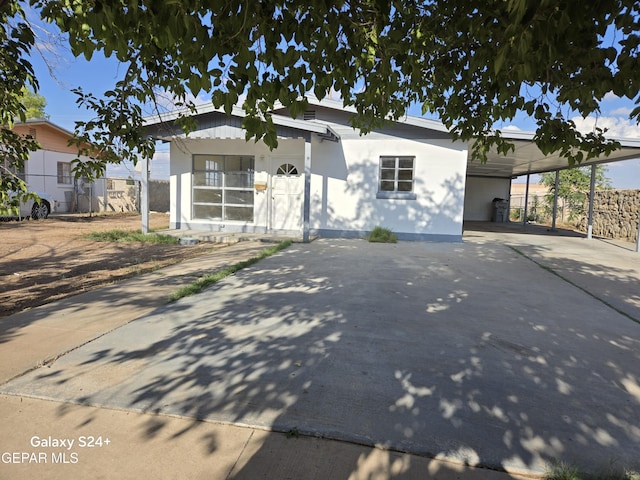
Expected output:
(382, 235)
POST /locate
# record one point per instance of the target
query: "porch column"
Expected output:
(306, 208)
(592, 187)
(555, 201)
(144, 194)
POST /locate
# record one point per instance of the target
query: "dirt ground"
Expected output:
(45, 260)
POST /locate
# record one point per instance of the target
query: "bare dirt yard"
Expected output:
(45, 260)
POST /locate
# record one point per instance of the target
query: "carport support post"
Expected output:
(592, 187)
(306, 208)
(555, 201)
(144, 194)
(526, 202)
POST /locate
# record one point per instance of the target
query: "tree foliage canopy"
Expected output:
(34, 104)
(473, 63)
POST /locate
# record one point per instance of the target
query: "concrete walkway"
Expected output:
(607, 269)
(34, 337)
(469, 353)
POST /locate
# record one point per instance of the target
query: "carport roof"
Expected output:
(528, 159)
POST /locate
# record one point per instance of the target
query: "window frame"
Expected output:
(287, 170)
(8, 168)
(396, 169)
(216, 179)
(64, 176)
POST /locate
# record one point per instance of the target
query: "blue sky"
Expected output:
(62, 72)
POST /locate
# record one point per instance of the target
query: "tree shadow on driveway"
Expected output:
(458, 351)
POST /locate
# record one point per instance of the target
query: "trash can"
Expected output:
(500, 210)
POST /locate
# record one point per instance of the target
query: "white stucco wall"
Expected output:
(266, 161)
(345, 180)
(479, 194)
(344, 185)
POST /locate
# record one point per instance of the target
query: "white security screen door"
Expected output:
(287, 188)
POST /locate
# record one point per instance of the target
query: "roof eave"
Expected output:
(44, 121)
(280, 120)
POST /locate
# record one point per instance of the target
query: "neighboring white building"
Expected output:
(48, 169)
(408, 176)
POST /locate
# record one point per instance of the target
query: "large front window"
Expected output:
(223, 187)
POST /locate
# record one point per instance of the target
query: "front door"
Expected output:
(287, 189)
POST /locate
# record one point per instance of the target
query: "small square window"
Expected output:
(64, 173)
(10, 167)
(396, 177)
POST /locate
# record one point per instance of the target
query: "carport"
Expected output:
(527, 159)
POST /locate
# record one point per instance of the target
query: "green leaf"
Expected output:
(476, 64)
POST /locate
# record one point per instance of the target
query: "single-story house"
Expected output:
(48, 169)
(327, 179)
(408, 176)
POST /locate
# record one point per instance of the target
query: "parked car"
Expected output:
(30, 208)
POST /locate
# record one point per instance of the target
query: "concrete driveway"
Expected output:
(462, 351)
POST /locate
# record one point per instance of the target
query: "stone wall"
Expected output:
(615, 214)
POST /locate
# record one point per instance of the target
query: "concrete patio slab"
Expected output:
(466, 352)
(607, 269)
